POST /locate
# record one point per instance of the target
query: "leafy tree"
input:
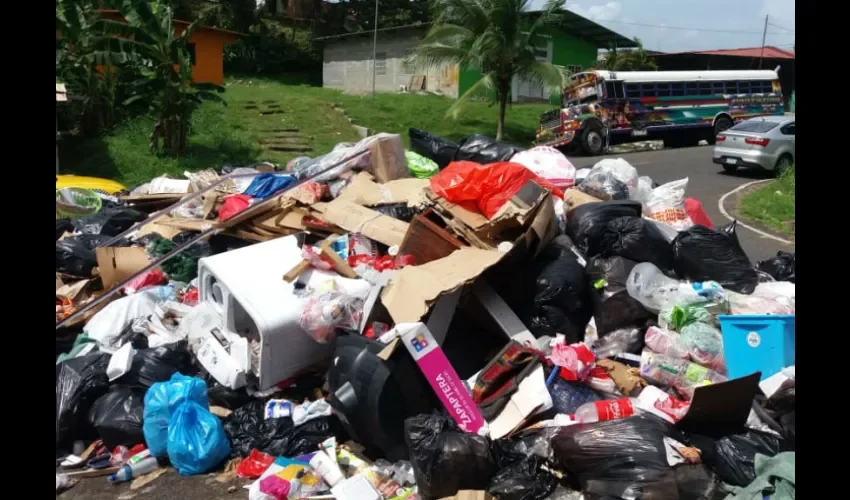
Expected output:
(149, 38)
(497, 36)
(636, 59)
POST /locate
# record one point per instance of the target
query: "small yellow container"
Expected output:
(104, 186)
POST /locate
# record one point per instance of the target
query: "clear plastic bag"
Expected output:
(682, 375)
(643, 190)
(628, 340)
(665, 342)
(705, 345)
(328, 309)
(604, 186)
(651, 287)
(776, 297)
(621, 170)
(666, 204)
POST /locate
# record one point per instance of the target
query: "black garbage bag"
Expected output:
(76, 255)
(521, 475)
(63, 226)
(441, 151)
(781, 268)
(630, 452)
(158, 364)
(247, 428)
(562, 302)
(79, 383)
(782, 409)
(482, 149)
(445, 459)
(732, 456)
(109, 221)
(198, 250)
(586, 224)
(117, 416)
(636, 239)
(703, 254)
(398, 211)
(613, 307)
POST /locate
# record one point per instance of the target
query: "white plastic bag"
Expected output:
(622, 170)
(581, 174)
(644, 190)
(667, 204)
(548, 163)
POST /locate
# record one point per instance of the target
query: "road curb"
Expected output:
(741, 224)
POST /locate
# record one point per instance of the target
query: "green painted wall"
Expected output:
(567, 50)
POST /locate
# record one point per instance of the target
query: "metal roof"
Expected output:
(572, 23)
(770, 52)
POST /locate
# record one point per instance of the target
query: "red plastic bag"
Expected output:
(151, 278)
(232, 205)
(694, 209)
(486, 187)
(254, 465)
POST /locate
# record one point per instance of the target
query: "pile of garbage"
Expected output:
(466, 321)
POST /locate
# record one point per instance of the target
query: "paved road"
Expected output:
(707, 182)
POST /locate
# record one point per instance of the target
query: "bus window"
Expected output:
(632, 90)
(716, 87)
(731, 87)
(743, 87)
(663, 89)
(678, 89)
(704, 88)
(647, 90)
(691, 88)
(762, 87)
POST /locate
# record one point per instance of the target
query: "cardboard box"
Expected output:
(363, 190)
(359, 219)
(117, 264)
(573, 198)
(387, 156)
(442, 377)
(413, 289)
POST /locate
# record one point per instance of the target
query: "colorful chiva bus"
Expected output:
(679, 107)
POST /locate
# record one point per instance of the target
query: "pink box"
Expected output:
(441, 375)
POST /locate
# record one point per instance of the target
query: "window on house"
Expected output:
(191, 48)
(381, 63)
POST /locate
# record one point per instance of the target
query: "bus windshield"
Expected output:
(583, 88)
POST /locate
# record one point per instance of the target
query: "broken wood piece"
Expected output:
(339, 264)
(426, 241)
(296, 271)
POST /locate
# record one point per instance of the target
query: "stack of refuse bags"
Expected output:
(454, 319)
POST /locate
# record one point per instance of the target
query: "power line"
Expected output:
(685, 28)
(780, 27)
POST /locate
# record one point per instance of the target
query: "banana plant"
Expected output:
(150, 38)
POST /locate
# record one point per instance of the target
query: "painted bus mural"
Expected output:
(679, 107)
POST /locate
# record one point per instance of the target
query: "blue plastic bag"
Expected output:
(161, 400)
(265, 185)
(196, 439)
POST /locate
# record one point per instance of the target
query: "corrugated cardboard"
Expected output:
(359, 219)
(116, 264)
(365, 191)
(574, 198)
(387, 155)
(470, 495)
(413, 289)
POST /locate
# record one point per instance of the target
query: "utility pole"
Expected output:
(375, 48)
(763, 40)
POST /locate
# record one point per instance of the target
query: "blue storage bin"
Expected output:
(757, 343)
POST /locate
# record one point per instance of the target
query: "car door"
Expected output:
(787, 132)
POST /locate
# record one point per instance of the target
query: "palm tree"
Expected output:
(497, 36)
(149, 37)
(636, 59)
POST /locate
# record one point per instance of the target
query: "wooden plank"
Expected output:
(426, 241)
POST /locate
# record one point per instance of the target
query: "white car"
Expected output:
(766, 142)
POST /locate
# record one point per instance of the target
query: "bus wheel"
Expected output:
(720, 125)
(592, 141)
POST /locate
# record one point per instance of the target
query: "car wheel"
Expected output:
(782, 165)
(730, 169)
(592, 141)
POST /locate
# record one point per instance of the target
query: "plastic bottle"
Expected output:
(609, 409)
(128, 472)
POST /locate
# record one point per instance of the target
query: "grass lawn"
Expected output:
(232, 133)
(773, 204)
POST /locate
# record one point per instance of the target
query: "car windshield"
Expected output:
(756, 126)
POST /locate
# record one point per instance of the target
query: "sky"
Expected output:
(682, 25)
